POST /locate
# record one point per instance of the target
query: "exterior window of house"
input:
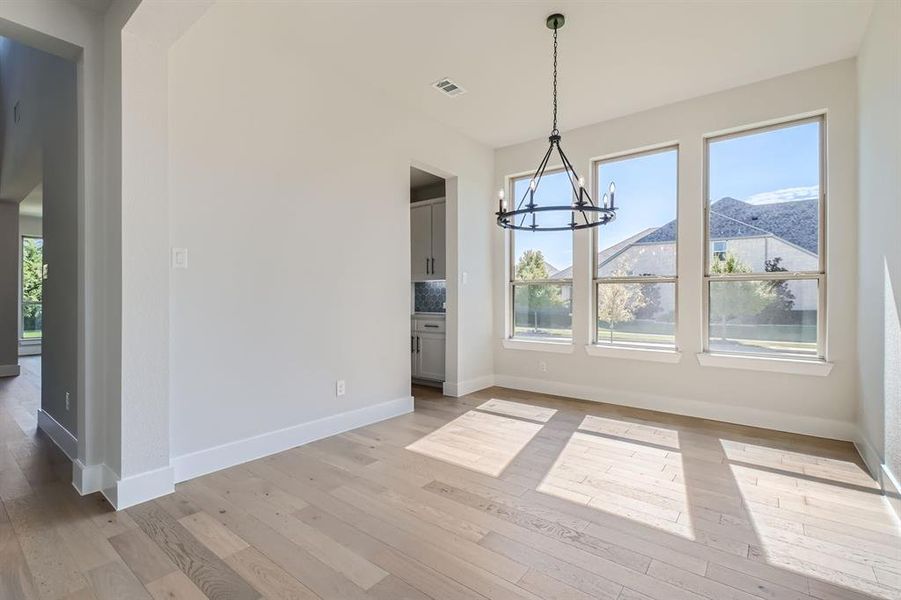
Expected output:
(32, 287)
(541, 265)
(765, 272)
(719, 250)
(635, 254)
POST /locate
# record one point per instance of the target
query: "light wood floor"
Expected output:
(500, 494)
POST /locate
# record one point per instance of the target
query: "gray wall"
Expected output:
(879, 329)
(427, 192)
(9, 288)
(44, 86)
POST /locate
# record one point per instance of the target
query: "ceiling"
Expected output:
(616, 58)
(99, 6)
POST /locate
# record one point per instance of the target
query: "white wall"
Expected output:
(819, 405)
(290, 189)
(879, 81)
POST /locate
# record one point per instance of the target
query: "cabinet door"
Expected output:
(431, 356)
(439, 253)
(420, 242)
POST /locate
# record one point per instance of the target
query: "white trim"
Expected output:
(868, 454)
(29, 349)
(87, 479)
(469, 386)
(819, 368)
(741, 415)
(195, 464)
(539, 346)
(9, 370)
(142, 487)
(59, 434)
(649, 354)
(892, 490)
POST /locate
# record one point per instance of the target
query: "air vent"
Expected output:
(448, 87)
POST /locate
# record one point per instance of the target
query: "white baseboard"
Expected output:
(869, 455)
(892, 490)
(468, 387)
(9, 370)
(141, 488)
(87, 479)
(59, 434)
(195, 464)
(740, 415)
(29, 349)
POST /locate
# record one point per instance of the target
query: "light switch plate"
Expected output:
(179, 258)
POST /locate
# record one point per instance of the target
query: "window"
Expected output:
(765, 270)
(635, 254)
(719, 250)
(32, 287)
(541, 266)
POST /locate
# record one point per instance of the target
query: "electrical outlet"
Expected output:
(67, 400)
(542, 366)
(340, 387)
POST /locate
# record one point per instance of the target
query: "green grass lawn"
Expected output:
(31, 335)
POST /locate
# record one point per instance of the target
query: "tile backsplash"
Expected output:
(429, 296)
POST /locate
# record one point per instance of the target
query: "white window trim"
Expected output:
(637, 351)
(539, 345)
(752, 362)
(662, 355)
(818, 365)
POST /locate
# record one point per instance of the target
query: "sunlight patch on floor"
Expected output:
(479, 441)
(519, 409)
(620, 468)
(801, 508)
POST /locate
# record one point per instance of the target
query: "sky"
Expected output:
(780, 165)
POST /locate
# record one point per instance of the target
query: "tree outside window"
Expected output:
(32, 287)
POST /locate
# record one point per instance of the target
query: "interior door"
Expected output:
(439, 253)
(431, 356)
(420, 242)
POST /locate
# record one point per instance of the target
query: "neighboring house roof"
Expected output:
(795, 222)
(607, 253)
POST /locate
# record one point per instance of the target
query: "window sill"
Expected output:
(650, 354)
(794, 366)
(539, 346)
(30, 341)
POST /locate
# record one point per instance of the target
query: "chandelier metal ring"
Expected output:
(584, 213)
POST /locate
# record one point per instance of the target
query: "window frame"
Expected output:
(512, 282)
(819, 275)
(21, 326)
(595, 250)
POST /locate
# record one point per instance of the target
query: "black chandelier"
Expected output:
(584, 213)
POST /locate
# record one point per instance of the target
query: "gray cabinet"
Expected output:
(427, 348)
(428, 256)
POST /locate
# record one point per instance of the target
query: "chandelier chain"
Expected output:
(555, 131)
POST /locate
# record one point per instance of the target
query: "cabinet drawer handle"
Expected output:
(412, 345)
(431, 325)
(417, 344)
(433, 265)
(427, 266)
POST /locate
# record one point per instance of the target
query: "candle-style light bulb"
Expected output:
(612, 188)
(606, 200)
(581, 182)
(500, 194)
(532, 185)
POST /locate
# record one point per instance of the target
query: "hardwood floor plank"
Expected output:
(212, 534)
(208, 572)
(273, 582)
(113, 581)
(174, 586)
(145, 559)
